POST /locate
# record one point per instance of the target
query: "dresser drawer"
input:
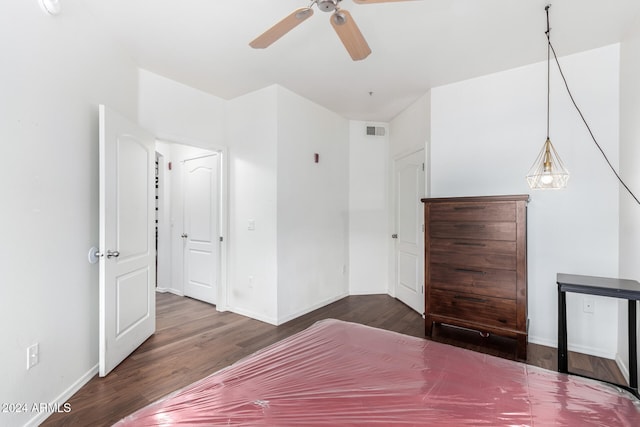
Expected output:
(478, 309)
(473, 211)
(473, 247)
(475, 261)
(473, 230)
(487, 282)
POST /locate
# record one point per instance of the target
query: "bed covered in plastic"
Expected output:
(337, 373)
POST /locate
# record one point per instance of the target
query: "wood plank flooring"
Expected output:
(193, 340)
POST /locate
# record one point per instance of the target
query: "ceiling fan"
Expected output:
(341, 20)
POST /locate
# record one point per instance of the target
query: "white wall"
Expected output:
(411, 129)
(369, 227)
(252, 137)
(630, 172)
(312, 217)
(486, 132)
(174, 112)
(294, 259)
(51, 83)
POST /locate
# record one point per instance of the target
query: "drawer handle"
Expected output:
(472, 299)
(468, 208)
(479, 245)
(468, 270)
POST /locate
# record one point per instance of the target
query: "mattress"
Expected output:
(338, 373)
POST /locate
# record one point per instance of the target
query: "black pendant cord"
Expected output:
(566, 85)
(548, 33)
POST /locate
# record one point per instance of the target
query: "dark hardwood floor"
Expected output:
(193, 340)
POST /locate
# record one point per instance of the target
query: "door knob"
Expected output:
(112, 254)
(394, 236)
(184, 235)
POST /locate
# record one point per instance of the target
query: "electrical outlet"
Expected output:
(33, 356)
(588, 305)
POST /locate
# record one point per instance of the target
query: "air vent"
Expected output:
(376, 131)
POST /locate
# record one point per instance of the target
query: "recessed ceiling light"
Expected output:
(52, 7)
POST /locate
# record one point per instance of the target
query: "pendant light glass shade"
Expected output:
(548, 171)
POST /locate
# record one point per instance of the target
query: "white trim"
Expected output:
(623, 367)
(223, 288)
(170, 291)
(64, 396)
(252, 315)
(281, 320)
(592, 351)
(297, 314)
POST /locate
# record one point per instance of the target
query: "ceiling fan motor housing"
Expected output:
(328, 5)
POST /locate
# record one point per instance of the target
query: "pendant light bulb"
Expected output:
(547, 174)
(546, 178)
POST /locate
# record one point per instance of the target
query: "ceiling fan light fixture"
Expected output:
(328, 5)
(339, 18)
(304, 13)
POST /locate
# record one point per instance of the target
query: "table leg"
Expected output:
(563, 365)
(633, 347)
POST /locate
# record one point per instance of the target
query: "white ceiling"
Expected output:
(416, 45)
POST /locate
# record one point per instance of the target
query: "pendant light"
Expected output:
(548, 171)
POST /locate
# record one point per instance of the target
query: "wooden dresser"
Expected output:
(476, 265)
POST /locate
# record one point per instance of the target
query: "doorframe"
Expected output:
(393, 214)
(223, 218)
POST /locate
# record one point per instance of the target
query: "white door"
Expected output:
(201, 236)
(127, 264)
(409, 251)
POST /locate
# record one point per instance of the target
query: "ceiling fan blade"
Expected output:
(376, 1)
(281, 28)
(350, 35)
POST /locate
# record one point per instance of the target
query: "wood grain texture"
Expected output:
(193, 340)
(475, 265)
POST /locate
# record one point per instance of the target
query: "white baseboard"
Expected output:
(542, 341)
(284, 319)
(292, 316)
(369, 292)
(623, 367)
(169, 290)
(64, 397)
(251, 314)
(592, 351)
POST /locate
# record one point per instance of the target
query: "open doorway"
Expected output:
(191, 214)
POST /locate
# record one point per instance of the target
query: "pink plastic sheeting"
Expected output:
(344, 374)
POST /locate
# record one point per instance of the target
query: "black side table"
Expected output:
(606, 287)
